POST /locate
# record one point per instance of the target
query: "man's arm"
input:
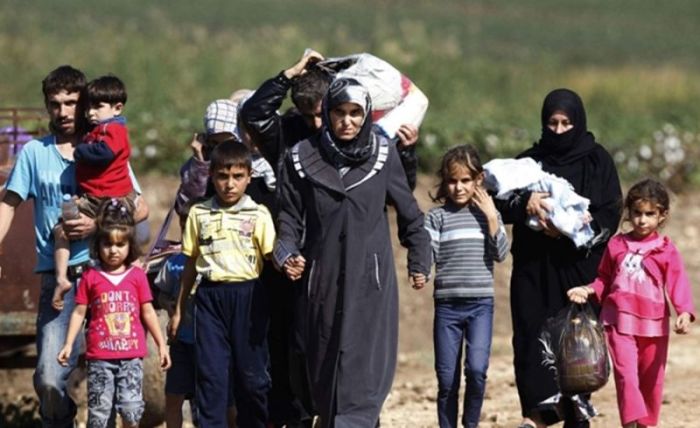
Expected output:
(259, 113)
(7, 212)
(261, 119)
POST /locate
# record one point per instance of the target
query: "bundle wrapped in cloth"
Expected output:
(569, 211)
(575, 349)
(396, 100)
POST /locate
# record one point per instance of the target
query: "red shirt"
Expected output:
(111, 180)
(115, 329)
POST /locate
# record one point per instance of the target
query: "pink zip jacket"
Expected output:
(634, 277)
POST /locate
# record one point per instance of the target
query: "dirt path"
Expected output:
(412, 400)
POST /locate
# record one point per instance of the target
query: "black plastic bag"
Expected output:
(575, 349)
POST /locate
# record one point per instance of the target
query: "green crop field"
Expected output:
(484, 65)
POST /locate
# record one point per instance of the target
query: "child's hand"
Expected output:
(417, 281)
(164, 357)
(196, 145)
(64, 355)
(63, 285)
(484, 202)
(579, 294)
(294, 267)
(173, 324)
(683, 323)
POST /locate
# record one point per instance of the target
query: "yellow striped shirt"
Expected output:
(229, 243)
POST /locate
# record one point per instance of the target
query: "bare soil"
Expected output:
(412, 400)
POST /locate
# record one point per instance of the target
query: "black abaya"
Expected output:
(544, 268)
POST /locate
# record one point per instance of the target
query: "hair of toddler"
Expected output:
(114, 218)
(464, 155)
(648, 190)
(106, 89)
(229, 154)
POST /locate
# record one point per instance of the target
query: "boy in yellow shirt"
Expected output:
(225, 240)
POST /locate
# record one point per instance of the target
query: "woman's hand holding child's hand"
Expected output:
(417, 280)
(294, 267)
(579, 294)
(683, 323)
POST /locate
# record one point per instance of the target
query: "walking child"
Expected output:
(179, 381)
(225, 240)
(119, 300)
(102, 166)
(639, 268)
(467, 235)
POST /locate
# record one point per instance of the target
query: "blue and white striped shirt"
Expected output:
(463, 251)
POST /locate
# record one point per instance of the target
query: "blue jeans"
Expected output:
(469, 320)
(57, 409)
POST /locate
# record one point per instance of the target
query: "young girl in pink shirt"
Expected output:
(119, 300)
(638, 270)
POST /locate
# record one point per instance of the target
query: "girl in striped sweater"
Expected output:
(467, 235)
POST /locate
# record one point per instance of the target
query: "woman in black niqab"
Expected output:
(545, 265)
(567, 147)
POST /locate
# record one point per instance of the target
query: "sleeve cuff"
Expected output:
(283, 80)
(281, 252)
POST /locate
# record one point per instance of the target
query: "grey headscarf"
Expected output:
(360, 148)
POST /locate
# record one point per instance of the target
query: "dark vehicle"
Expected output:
(19, 284)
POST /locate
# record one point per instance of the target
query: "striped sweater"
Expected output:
(463, 251)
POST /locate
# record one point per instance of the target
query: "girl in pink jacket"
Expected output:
(637, 270)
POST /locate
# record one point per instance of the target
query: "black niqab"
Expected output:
(570, 146)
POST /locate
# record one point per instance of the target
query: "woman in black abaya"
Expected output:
(546, 264)
(334, 234)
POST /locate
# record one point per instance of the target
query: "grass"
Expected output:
(485, 65)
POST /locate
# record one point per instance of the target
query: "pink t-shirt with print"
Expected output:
(115, 329)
